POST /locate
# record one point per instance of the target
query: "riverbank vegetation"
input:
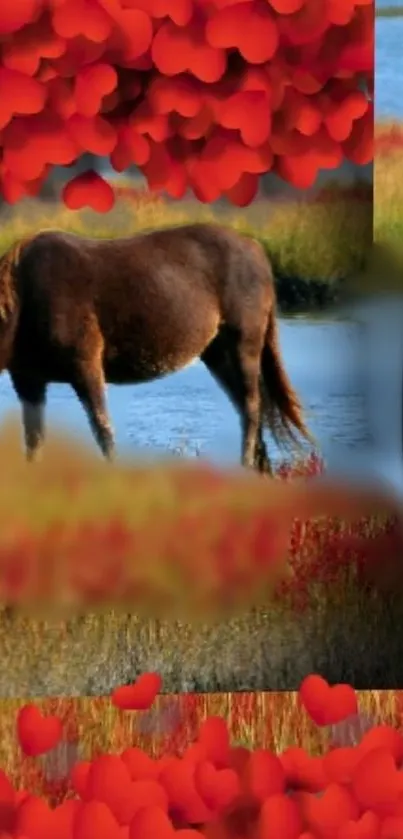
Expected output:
(314, 243)
(388, 11)
(387, 268)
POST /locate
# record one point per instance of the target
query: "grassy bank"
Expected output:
(314, 245)
(387, 271)
(389, 11)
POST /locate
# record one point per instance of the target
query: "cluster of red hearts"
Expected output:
(217, 790)
(206, 95)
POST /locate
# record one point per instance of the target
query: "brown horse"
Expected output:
(85, 312)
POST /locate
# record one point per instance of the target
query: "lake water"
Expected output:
(188, 409)
(389, 64)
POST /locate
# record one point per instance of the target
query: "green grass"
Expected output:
(387, 266)
(389, 12)
(314, 245)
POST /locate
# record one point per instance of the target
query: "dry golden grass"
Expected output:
(263, 649)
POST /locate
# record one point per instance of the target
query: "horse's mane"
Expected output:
(8, 263)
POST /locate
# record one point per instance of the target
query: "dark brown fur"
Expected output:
(85, 312)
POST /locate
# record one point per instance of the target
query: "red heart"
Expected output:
(304, 115)
(366, 827)
(34, 819)
(177, 49)
(302, 771)
(383, 736)
(264, 775)
(196, 127)
(29, 45)
(239, 759)
(140, 765)
(279, 816)
(392, 828)
(143, 793)
(339, 122)
(230, 159)
(79, 52)
(249, 112)
(327, 705)
(339, 764)
(287, 7)
(14, 16)
(218, 787)
(305, 26)
(180, 11)
(135, 35)
(82, 18)
(37, 734)
(139, 696)
(181, 95)
(61, 97)
(151, 823)
(79, 777)
(242, 193)
(376, 782)
(131, 148)
(92, 84)
(20, 95)
(215, 740)
(89, 190)
(8, 803)
(178, 780)
(64, 817)
(325, 815)
(247, 27)
(359, 146)
(31, 143)
(93, 134)
(156, 126)
(109, 780)
(288, 141)
(163, 172)
(94, 819)
(13, 190)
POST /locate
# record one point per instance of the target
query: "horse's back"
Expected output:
(156, 299)
(202, 257)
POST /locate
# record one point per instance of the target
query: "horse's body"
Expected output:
(85, 312)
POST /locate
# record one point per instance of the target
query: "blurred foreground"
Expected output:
(220, 581)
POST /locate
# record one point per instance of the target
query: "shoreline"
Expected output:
(296, 295)
(389, 12)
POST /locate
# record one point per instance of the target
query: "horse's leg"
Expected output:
(246, 354)
(31, 392)
(262, 459)
(223, 366)
(88, 383)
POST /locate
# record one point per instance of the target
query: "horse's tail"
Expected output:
(282, 409)
(8, 264)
